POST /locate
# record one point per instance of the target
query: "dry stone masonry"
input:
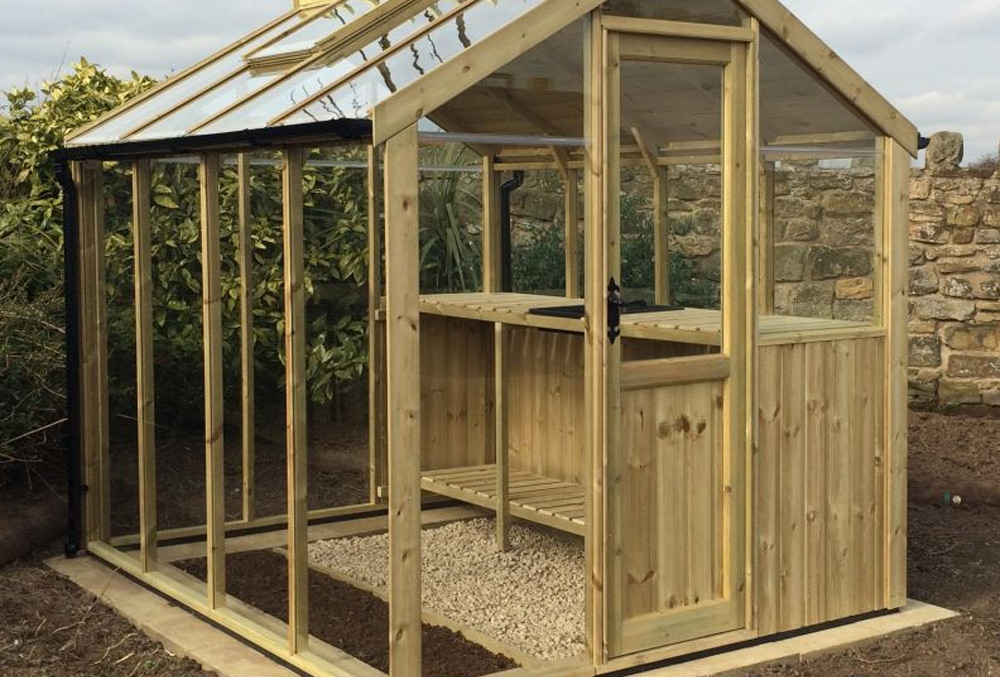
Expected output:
(954, 280)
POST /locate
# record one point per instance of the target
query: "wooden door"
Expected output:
(676, 435)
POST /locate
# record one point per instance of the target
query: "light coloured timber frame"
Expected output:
(393, 186)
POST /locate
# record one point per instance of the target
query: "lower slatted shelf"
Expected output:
(534, 498)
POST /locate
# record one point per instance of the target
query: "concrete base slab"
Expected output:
(184, 634)
(811, 646)
(181, 632)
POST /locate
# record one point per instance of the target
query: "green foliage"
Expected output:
(31, 395)
(537, 259)
(32, 125)
(450, 226)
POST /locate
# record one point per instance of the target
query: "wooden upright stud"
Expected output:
(595, 279)
(500, 429)
(211, 294)
(146, 440)
(572, 233)
(247, 340)
(492, 245)
(378, 462)
(661, 232)
(896, 178)
(93, 378)
(295, 400)
(403, 349)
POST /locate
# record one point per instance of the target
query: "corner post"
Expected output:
(295, 400)
(88, 178)
(403, 353)
(895, 286)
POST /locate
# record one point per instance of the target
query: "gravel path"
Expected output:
(531, 597)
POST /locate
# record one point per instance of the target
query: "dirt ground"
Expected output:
(348, 618)
(50, 628)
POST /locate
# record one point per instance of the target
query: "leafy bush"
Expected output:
(31, 391)
(450, 226)
(31, 286)
(538, 259)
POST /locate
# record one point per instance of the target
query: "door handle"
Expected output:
(615, 304)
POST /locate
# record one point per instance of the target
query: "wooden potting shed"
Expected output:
(734, 468)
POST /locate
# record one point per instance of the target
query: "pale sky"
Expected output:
(935, 61)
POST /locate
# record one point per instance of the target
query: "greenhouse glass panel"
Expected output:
(257, 111)
(309, 33)
(724, 12)
(381, 79)
(797, 108)
(119, 126)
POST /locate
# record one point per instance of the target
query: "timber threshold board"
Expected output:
(533, 498)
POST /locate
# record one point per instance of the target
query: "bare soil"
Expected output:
(48, 627)
(345, 617)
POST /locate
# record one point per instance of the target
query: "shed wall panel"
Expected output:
(819, 482)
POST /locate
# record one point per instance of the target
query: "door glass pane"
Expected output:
(671, 215)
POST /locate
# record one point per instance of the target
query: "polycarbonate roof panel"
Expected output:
(309, 82)
(273, 92)
(335, 62)
(175, 91)
(324, 24)
(356, 96)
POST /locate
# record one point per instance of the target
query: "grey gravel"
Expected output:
(531, 597)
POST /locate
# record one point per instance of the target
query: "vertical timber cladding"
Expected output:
(820, 479)
(672, 484)
(456, 392)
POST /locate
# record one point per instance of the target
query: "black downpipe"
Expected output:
(71, 292)
(506, 226)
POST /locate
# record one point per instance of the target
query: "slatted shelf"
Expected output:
(534, 498)
(688, 325)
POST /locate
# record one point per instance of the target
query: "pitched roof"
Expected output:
(395, 61)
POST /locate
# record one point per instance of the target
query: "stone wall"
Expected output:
(823, 230)
(954, 280)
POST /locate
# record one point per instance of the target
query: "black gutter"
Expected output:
(506, 226)
(315, 132)
(71, 292)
